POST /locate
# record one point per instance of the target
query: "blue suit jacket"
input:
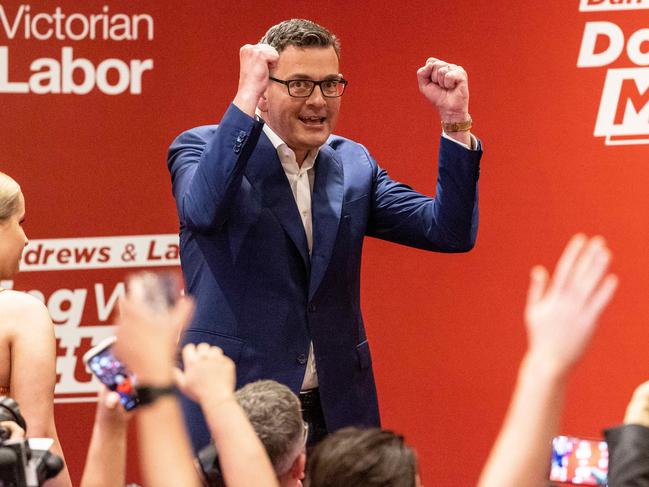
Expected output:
(259, 295)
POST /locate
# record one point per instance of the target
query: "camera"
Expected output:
(22, 465)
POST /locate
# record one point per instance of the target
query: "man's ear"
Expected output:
(297, 469)
(262, 104)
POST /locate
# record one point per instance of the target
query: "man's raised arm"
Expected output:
(207, 163)
(446, 86)
(256, 62)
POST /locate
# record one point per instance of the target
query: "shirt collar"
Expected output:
(286, 153)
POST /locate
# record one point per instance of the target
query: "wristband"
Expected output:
(150, 394)
(457, 126)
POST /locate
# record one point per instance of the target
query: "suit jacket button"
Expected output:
(312, 308)
(301, 359)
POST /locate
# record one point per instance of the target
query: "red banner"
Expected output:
(93, 93)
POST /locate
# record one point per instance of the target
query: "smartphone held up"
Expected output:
(579, 461)
(159, 293)
(103, 363)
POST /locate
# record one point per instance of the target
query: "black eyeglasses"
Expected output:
(302, 88)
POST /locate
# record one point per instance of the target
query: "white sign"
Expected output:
(604, 5)
(82, 311)
(623, 116)
(64, 72)
(57, 254)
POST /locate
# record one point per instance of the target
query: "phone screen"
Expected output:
(579, 461)
(110, 371)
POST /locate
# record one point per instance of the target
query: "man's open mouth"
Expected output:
(313, 120)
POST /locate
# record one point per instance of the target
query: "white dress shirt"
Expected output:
(301, 181)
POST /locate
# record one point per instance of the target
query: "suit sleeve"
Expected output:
(446, 223)
(207, 165)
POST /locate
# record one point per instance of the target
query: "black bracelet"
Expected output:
(149, 394)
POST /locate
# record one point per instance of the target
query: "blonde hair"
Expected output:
(9, 196)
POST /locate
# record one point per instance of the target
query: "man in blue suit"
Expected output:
(273, 211)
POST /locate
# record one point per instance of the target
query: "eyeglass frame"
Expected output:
(286, 82)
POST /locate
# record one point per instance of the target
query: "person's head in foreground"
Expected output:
(12, 236)
(274, 412)
(362, 457)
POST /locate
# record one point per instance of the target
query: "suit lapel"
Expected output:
(266, 175)
(326, 201)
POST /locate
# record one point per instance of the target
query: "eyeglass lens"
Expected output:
(299, 87)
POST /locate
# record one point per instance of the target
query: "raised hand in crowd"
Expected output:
(209, 379)
(562, 313)
(146, 341)
(561, 316)
(106, 459)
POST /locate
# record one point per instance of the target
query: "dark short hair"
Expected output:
(370, 457)
(300, 33)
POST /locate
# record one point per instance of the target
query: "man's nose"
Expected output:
(317, 97)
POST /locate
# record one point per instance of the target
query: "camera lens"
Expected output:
(9, 411)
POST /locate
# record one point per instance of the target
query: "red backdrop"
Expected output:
(446, 330)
